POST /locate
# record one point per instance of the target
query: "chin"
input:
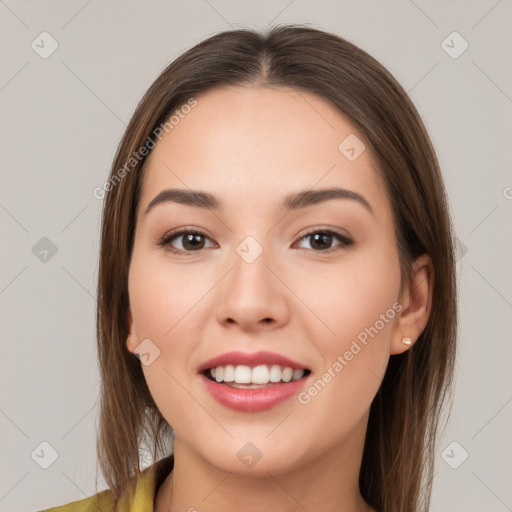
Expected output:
(254, 455)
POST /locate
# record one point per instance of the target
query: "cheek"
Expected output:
(357, 305)
(166, 302)
(352, 297)
(165, 299)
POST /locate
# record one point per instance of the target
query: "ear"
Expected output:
(131, 340)
(416, 302)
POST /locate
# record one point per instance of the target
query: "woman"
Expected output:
(276, 295)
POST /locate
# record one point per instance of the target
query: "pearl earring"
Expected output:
(407, 341)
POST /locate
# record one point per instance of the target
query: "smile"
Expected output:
(245, 377)
(251, 386)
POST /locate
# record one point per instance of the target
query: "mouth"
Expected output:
(252, 382)
(257, 377)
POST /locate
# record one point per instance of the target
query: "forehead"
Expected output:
(257, 143)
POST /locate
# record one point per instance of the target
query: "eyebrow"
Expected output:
(291, 202)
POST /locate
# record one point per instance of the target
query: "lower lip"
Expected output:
(252, 400)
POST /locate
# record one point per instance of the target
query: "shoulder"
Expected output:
(138, 495)
(101, 502)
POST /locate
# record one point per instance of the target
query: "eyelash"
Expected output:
(166, 240)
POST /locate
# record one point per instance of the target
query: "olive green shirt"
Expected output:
(144, 489)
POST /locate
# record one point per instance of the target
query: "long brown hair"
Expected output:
(398, 458)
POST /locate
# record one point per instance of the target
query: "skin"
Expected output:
(250, 147)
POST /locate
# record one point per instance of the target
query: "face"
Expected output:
(263, 281)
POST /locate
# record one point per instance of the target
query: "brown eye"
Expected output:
(192, 242)
(321, 241)
(186, 241)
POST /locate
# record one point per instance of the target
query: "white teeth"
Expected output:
(219, 374)
(229, 373)
(287, 374)
(298, 374)
(275, 373)
(261, 374)
(242, 374)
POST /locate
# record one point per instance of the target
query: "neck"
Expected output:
(327, 482)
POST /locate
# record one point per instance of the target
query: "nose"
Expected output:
(252, 296)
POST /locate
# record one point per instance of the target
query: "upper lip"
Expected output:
(251, 359)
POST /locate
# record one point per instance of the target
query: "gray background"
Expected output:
(63, 117)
